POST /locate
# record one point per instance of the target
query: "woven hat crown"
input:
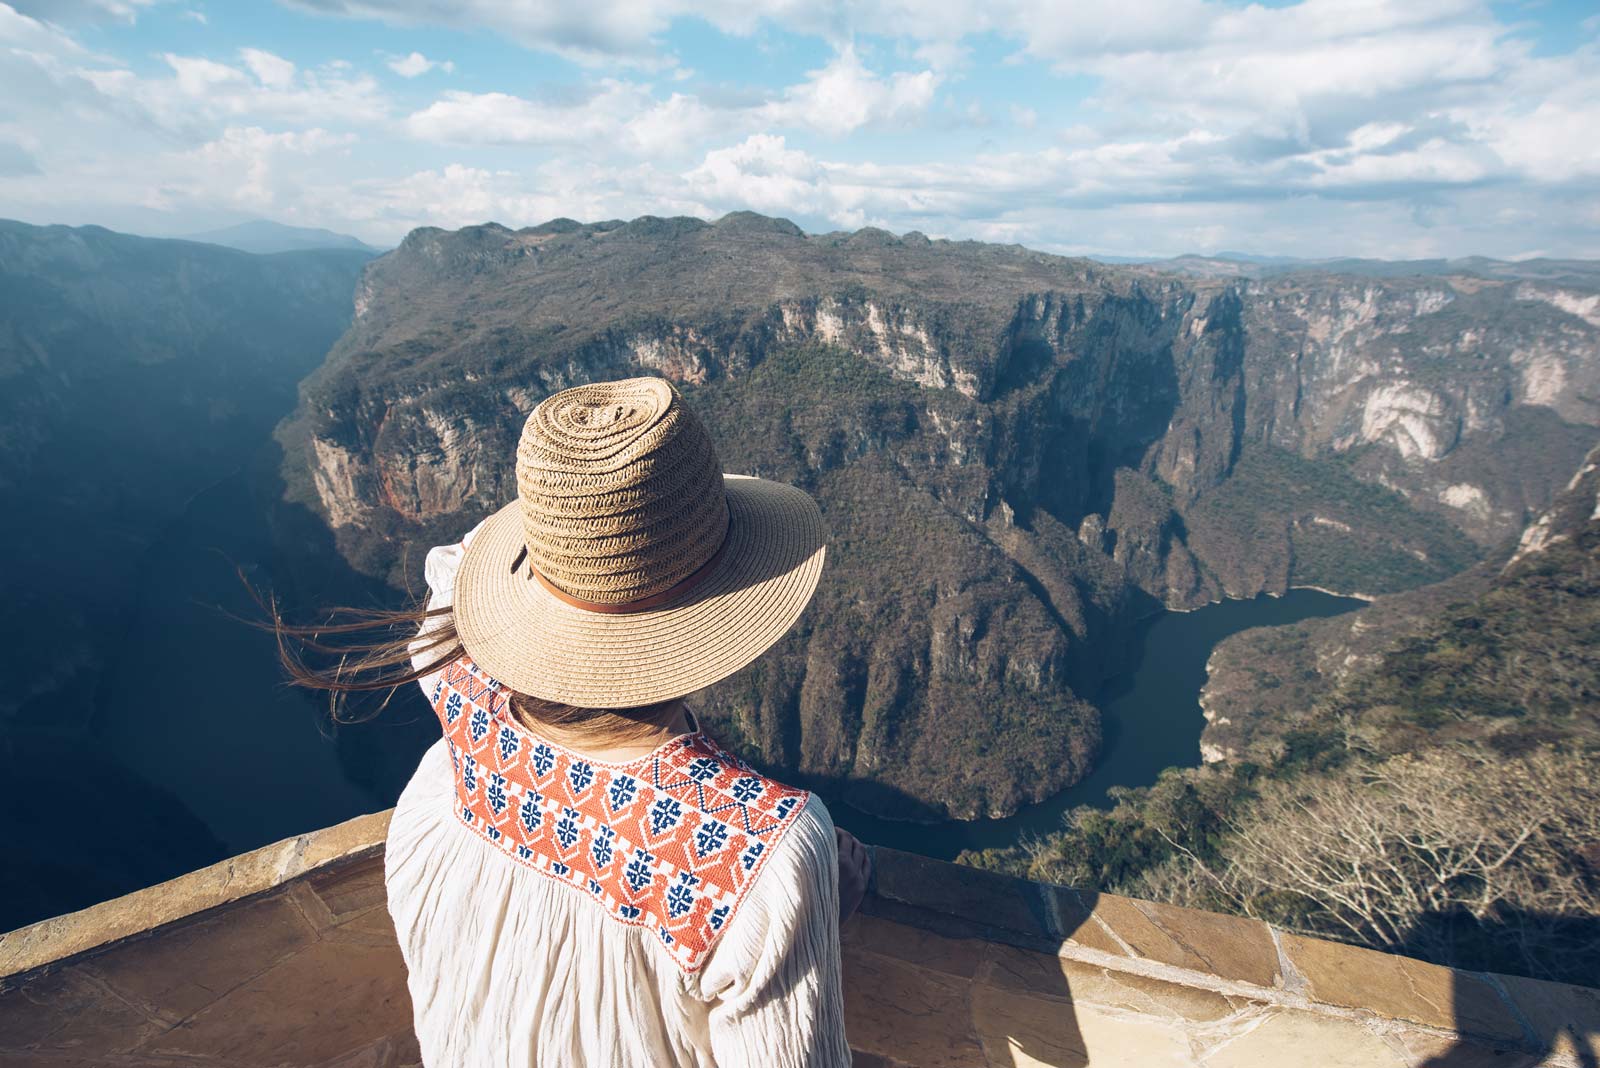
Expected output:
(620, 489)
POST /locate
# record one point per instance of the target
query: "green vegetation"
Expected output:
(1454, 779)
(1318, 525)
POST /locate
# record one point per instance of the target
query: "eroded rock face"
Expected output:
(1016, 452)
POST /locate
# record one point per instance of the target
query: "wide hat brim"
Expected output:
(527, 638)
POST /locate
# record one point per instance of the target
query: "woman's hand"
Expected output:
(855, 868)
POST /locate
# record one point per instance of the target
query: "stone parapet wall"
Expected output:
(954, 966)
(285, 956)
(281, 956)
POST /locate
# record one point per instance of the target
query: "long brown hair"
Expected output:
(364, 650)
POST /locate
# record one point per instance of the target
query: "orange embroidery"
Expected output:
(670, 841)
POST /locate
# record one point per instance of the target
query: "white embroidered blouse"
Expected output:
(518, 959)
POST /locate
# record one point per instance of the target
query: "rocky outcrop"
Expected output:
(1017, 453)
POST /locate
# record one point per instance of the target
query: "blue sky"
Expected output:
(1392, 128)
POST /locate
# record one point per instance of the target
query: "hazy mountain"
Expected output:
(265, 237)
(1017, 453)
(134, 373)
(1243, 265)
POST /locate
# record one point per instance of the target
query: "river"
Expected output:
(1150, 721)
(195, 701)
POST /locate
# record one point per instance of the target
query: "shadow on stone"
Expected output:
(949, 964)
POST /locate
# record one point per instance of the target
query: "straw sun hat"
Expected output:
(630, 569)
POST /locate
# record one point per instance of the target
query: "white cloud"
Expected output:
(272, 71)
(764, 174)
(615, 116)
(19, 31)
(417, 64)
(844, 96)
(243, 168)
(202, 93)
(71, 11)
(626, 116)
(586, 32)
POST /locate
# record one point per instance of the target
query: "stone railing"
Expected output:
(285, 956)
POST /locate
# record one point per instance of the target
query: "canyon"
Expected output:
(1018, 455)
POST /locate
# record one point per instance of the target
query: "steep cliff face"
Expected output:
(1016, 452)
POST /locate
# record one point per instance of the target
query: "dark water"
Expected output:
(195, 701)
(1151, 721)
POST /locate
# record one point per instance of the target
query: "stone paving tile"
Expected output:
(1018, 1030)
(1073, 915)
(325, 1001)
(909, 1014)
(1037, 975)
(1023, 1033)
(959, 896)
(1565, 1019)
(390, 1051)
(1444, 1051)
(1400, 987)
(1230, 947)
(72, 1012)
(187, 967)
(349, 888)
(347, 839)
(1290, 1038)
(951, 956)
(374, 927)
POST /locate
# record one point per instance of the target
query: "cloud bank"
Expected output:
(1391, 128)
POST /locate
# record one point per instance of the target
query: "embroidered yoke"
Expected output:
(670, 841)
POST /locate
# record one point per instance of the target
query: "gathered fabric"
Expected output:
(678, 909)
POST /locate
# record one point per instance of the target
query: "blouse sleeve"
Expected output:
(773, 980)
(439, 570)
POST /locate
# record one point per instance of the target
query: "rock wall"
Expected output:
(286, 956)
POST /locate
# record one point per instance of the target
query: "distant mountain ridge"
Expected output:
(1248, 265)
(263, 236)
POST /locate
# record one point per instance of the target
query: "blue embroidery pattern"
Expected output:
(624, 788)
(581, 775)
(532, 815)
(509, 744)
(664, 814)
(712, 836)
(639, 874)
(544, 758)
(567, 828)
